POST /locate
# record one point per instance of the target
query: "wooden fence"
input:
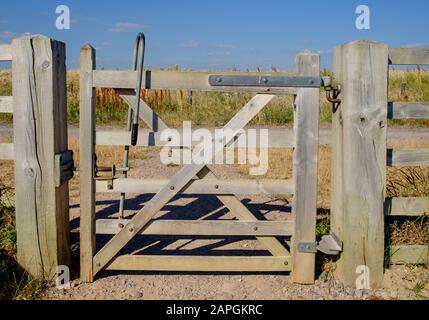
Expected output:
(198, 179)
(360, 126)
(42, 163)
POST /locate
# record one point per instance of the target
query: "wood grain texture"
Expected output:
(305, 161)
(407, 56)
(409, 254)
(171, 80)
(410, 207)
(407, 157)
(358, 214)
(39, 101)
(209, 186)
(408, 110)
(87, 151)
(201, 263)
(203, 227)
(276, 139)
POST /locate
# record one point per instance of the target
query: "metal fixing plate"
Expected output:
(265, 81)
(307, 247)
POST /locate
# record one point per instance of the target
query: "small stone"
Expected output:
(350, 291)
(137, 295)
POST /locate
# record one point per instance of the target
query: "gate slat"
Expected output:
(177, 183)
(209, 186)
(201, 263)
(203, 227)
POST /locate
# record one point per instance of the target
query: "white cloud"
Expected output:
(127, 26)
(189, 44)
(219, 54)
(227, 46)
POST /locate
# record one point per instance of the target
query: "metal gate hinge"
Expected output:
(265, 81)
(332, 92)
(64, 167)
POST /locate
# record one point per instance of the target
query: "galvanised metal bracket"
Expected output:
(307, 247)
(265, 81)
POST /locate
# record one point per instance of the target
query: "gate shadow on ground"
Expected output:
(203, 207)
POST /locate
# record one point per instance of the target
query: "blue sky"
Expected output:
(217, 34)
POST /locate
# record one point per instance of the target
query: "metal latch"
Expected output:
(64, 167)
(330, 245)
(107, 173)
(332, 92)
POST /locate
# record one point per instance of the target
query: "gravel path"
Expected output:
(400, 281)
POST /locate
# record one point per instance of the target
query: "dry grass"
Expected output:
(215, 109)
(410, 231)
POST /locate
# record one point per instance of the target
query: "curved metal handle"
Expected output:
(138, 64)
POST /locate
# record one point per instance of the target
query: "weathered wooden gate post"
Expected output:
(87, 153)
(359, 160)
(305, 162)
(40, 134)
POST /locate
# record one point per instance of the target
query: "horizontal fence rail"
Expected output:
(237, 187)
(407, 157)
(201, 263)
(202, 228)
(406, 206)
(173, 80)
(408, 110)
(276, 139)
(409, 254)
(409, 56)
(5, 52)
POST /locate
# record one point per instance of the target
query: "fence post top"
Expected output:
(87, 47)
(363, 42)
(308, 53)
(37, 38)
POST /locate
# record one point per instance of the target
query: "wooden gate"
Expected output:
(297, 256)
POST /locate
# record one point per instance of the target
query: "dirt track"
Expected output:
(400, 281)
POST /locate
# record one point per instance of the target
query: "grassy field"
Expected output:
(215, 109)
